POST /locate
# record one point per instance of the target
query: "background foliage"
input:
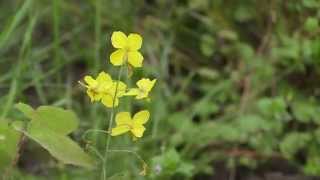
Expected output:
(237, 83)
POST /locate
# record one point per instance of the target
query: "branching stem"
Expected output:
(104, 169)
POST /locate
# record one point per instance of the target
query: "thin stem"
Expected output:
(92, 130)
(144, 164)
(104, 171)
(97, 32)
(99, 155)
(56, 34)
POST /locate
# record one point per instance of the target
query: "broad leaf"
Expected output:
(57, 119)
(8, 144)
(25, 109)
(59, 145)
(305, 111)
(170, 163)
(49, 126)
(293, 142)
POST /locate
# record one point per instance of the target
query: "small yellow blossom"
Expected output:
(96, 87)
(113, 94)
(124, 123)
(127, 49)
(144, 87)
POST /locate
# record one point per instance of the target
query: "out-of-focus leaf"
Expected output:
(252, 123)
(311, 25)
(8, 144)
(273, 107)
(312, 166)
(305, 111)
(245, 50)
(311, 3)
(207, 45)
(186, 169)
(170, 163)
(208, 73)
(205, 107)
(243, 13)
(293, 142)
(195, 4)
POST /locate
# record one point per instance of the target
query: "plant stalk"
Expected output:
(104, 170)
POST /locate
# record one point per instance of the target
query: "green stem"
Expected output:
(56, 34)
(97, 32)
(104, 170)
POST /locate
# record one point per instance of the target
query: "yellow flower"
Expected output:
(144, 87)
(96, 87)
(109, 96)
(128, 47)
(124, 123)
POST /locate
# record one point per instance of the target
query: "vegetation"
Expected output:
(236, 89)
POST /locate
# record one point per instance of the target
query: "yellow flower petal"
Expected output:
(104, 82)
(90, 81)
(119, 39)
(135, 58)
(152, 83)
(134, 42)
(146, 84)
(132, 92)
(107, 100)
(141, 117)
(123, 118)
(104, 77)
(94, 96)
(91, 94)
(142, 95)
(119, 130)
(117, 57)
(138, 131)
(121, 89)
(143, 83)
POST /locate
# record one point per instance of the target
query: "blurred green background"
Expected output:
(237, 95)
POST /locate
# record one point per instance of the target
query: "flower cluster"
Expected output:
(108, 91)
(104, 89)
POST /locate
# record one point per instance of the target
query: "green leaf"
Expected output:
(273, 107)
(252, 123)
(311, 3)
(186, 169)
(311, 25)
(208, 73)
(56, 119)
(205, 107)
(243, 13)
(170, 163)
(312, 166)
(9, 139)
(49, 126)
(293, 142)
(25, 109)
(305, 111)
(207, 45)
(59, 145)
(245, 50)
